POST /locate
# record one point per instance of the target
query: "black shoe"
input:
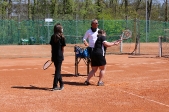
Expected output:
(86, 83)
(100, 84)
(61, 88)
(55, 88)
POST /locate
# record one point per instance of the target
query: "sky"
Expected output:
(161, 1)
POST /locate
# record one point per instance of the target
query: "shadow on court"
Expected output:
(74, 83)
(70, 75)
(31, 87)
(67, 75)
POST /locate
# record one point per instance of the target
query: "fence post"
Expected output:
(121, 44)
(160, 46)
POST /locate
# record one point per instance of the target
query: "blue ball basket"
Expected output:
(81, 52)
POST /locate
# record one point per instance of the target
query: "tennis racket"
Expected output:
(125, 35)
(47, 64)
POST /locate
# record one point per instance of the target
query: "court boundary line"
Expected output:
(142, 97)
(67, 71)
(154, 80)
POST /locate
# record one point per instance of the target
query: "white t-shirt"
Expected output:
(91, 36)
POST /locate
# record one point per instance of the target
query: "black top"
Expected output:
(99, 48)
(57, 53)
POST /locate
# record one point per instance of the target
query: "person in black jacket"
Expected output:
(57, 43)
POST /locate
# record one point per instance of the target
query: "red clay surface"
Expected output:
(131, 85)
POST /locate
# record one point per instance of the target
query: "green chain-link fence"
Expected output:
(39, 32)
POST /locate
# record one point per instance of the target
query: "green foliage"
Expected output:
(80, 9)
(4, 3)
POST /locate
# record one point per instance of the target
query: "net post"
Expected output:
(160, 46)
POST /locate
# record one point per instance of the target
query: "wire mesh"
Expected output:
(38, 32)
(165, 44)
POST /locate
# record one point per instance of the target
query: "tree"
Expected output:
(166, 10)
(29, 10)
(149, 6)
(4, 5)
(82, 9)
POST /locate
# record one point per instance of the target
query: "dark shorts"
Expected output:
(97, 60)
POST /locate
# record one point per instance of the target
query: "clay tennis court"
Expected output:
(131, 84)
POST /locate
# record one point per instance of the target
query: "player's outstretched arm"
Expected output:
(109, 44)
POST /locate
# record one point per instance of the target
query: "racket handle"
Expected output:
(118, 41)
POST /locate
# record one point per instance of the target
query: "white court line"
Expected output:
(4, 70)
(158, 62)
(65, 67)
(142, 97)
(159, 70)
(154, 80)
(19, 69)
(115, 71)
(108, 65)
(154, 70)
(67, 63)
(152, 63)
(67, 71)
(163, 62)
(117, 64)
(79, 66)
(12, 69)
(124, 64)
(145, 63)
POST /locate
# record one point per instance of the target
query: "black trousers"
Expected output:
(57, 76)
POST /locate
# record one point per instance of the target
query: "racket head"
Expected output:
(126, 34)
(47, 64)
